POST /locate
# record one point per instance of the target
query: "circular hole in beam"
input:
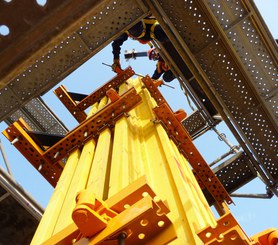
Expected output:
(41, 2)
(141, 236)
(4, 30)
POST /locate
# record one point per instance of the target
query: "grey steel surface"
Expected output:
(195, 124)
(233, 173)
(39, 117)
(48, 42)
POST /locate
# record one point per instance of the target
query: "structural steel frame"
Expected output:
(226, 46)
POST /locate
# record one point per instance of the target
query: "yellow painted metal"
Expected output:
(55, 205)
(141, 147)
(136, 147)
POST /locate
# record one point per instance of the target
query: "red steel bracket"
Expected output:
(47, 162)
(182, 139)
(62, 93)
(151, 85)
(226, 232)
(16, 134)
(77, 109)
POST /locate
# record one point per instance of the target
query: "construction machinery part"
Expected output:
(182, 139)
(39, 117)
(227, 231)
(17, 135)
(70, 104)
(267, 237)
(77, 108)
(46, 43)
(230, 52)
(135, 212)
(195, 124)
(47, 162)
(211, 42)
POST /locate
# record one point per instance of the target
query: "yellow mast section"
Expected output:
(135, 147)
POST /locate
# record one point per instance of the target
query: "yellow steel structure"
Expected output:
(136, 147)
(132, 183)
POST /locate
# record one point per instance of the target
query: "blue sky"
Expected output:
(254, 215)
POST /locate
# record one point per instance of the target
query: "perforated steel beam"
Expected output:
(233, 61)
(45, 44)
(225, 44)
(39, 117)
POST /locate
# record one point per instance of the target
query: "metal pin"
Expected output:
(40, 168)
(85, 134)
(56, 154)
(15, 140)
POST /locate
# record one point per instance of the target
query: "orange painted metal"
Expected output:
(91, 127)
(227, 231)
(136, 211)
(32, 152)
(77, 109)
(180, 115)
(182, 139)
(152, 88)
(48, 162)
(267, 237)
(91, 214)
(70, 104)
(115, 82)
(112, 95)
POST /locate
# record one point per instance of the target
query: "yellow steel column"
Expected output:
(136, 147)
(74, 178)
(55, 205)
(141, 147)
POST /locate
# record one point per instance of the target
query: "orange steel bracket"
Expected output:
(151, 85)
(134, 213)
(16, 134)
(226, 232)
(112, 95)
(77, 109)
(267, 237)
(172, 123)
(48, 161)
(91, 127)
(183, 141)
(180, 115)
(91, 214)
(62, 93)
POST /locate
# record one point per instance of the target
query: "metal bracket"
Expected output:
(77, 109)
(47, 161)
(268, 236)
(136, 212)
(182, 139)
(227, 231)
